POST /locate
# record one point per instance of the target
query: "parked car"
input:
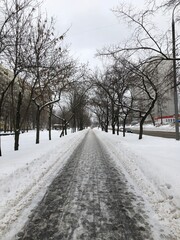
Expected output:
(128, 130)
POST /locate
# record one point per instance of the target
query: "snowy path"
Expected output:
(88, 200)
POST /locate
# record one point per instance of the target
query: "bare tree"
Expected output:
(49, 66)
(16, 29)
(146, 48)
(114, 82)
(7, 13)
(101, 101)
(78, 101)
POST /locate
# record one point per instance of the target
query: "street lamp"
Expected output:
(174, 75)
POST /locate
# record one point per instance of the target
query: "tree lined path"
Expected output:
(89, 199)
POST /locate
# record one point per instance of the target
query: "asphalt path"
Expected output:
(90, 199)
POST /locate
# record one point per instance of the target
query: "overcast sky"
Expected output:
(93, 25)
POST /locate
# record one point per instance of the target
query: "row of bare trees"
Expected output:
(128, 91)
(42, 72)
(75, 113)
(140, 72)
(36, 67)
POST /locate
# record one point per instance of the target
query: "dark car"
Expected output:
(128, 130)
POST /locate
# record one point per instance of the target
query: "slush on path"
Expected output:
(89, 199)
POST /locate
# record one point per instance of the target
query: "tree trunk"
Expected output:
(124, 127)
(17, 126)
(107, 119)
(62, 133)
(161, 118)
(113, 118)
(145, 116)
(152, 120)
(65, 127)
(16, 138)
(117, 130)
(0, 147)
(118, 121)
(5, 123)
(141, 128)
(74, 124)
(106, 127)
(113, 129)
(49, 123)
(38, 124)
(142, 119)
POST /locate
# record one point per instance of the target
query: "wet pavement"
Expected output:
(90, 200)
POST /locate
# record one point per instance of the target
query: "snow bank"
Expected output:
(152, 165)
(26, 174)
(164, 127)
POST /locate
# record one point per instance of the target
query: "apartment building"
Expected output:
(163, 112)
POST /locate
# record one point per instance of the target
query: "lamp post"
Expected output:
(174, 76)
(0, 147)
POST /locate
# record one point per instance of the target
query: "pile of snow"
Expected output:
(161, 127)
(152, 165)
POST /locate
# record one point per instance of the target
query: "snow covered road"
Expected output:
(88, 200)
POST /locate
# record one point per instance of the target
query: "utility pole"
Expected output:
(174, 76)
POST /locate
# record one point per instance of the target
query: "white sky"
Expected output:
(93, 25)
